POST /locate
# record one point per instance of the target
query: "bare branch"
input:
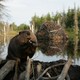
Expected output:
(65, 70)
(48, 69)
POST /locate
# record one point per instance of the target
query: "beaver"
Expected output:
(22, 45)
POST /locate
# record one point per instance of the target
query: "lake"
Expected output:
(50, 52)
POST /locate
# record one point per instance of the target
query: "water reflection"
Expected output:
(3, 52)
(49, 47)
(44, 58)
(50, 51)
(4, 41)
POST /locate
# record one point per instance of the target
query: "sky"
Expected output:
(21, 11)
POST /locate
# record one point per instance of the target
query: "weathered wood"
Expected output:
(50, 74)
(39, 69)
(48, 69)
(16, 76)
(6, 69)
(65, 70)
(52, 78)
(27, 76)
(22, 76)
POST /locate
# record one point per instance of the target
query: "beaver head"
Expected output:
(26, 36)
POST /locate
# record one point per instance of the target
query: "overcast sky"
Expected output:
(21, 11)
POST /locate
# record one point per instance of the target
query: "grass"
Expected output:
(12, 33)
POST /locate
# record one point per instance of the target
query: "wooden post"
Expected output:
(39, 66)
(27, 76)
(65, 70)
(16, 76)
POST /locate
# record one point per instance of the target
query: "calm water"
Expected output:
(50, 52)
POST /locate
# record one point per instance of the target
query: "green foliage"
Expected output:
(37, 21)
(70, 32)
(13, 26)
(65, 18)
(70, 18)
(57, 16)
(48, 17)
(22, 27)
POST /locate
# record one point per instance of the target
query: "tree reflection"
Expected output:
(68, 48)
(50, 48)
